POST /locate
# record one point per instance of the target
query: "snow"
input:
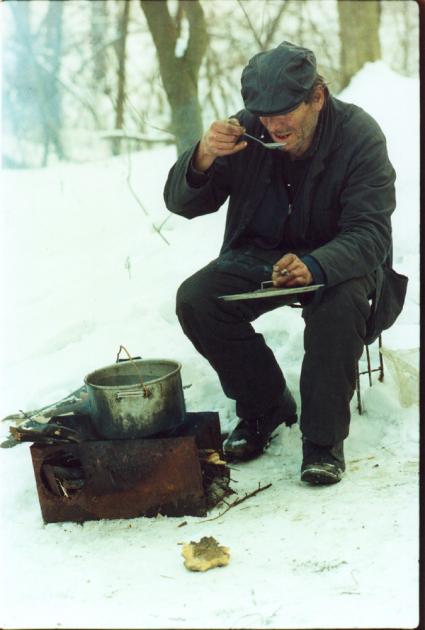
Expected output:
(84, 270)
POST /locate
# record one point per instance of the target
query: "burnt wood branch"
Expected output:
(238, 502)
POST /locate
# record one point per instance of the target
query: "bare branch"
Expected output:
(238, 502)
(128, 179)
(137, 137)
(251, 26)
(275, 23)
(158, 229)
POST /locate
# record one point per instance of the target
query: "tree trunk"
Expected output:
(179, 73)
(98, 24)
(121, 54)
(38, 73)
(54, 30)
(359, 35)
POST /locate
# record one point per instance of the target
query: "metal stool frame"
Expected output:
(369, 371)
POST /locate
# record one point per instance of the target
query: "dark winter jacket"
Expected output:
(341, 214)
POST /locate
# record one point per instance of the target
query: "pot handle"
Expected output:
(133, 394)
(146, 391)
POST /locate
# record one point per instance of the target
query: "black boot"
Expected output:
(252, 435)
(322, 465)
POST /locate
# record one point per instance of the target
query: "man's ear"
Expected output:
(318, 99)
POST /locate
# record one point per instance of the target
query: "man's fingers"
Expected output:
(297, 280)
(290, 271)
(233, 125)
(285, 261)
(239, 147)
(223, 137)
(222, 144)
(223, 150)
(290, 281)
(295, 264)
(228, 128)
(297, 267)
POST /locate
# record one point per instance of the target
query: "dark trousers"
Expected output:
(221, 331)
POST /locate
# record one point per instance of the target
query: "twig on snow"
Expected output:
(158, 229)
(133, 192)
(238, 502)
(130, 187)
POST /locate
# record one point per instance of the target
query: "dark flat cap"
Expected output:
(277, 81)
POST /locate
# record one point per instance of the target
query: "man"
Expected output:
(317, 210)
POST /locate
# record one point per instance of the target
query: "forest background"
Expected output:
(86, 79)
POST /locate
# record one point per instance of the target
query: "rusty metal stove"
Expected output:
(109, 479)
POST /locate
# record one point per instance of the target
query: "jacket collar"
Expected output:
(330, 136)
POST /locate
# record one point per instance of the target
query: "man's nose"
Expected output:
(274, 123)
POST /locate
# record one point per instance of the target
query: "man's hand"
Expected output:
(290, 271)
(220, 139)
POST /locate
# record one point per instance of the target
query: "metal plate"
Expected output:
(271, 292)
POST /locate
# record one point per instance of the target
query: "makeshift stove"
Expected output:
(174, 475)
(123, 446)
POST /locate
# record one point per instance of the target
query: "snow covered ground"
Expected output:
(84, 271)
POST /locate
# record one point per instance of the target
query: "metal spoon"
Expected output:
(267, 145)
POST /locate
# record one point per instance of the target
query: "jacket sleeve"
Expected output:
(367, 201)
(189, 201)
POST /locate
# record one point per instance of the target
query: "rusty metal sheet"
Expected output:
(126, 479)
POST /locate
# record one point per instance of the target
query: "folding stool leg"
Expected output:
(359, 398)
(381, 360)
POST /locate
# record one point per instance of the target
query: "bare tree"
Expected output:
(33, 99)
(179, 63)
(400, 47)
(53, 95)
(359, 35)
(120, 48)
(98, 21)
(65, 73)
(264, 37)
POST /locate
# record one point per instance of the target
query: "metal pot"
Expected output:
(136, 399)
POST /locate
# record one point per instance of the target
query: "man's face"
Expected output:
(296, 129)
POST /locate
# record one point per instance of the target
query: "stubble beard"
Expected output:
(306, 135)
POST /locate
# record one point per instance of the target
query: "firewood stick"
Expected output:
(238, 502)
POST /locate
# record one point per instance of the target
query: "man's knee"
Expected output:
(343, 305)
(187, 295)
(194, 292)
